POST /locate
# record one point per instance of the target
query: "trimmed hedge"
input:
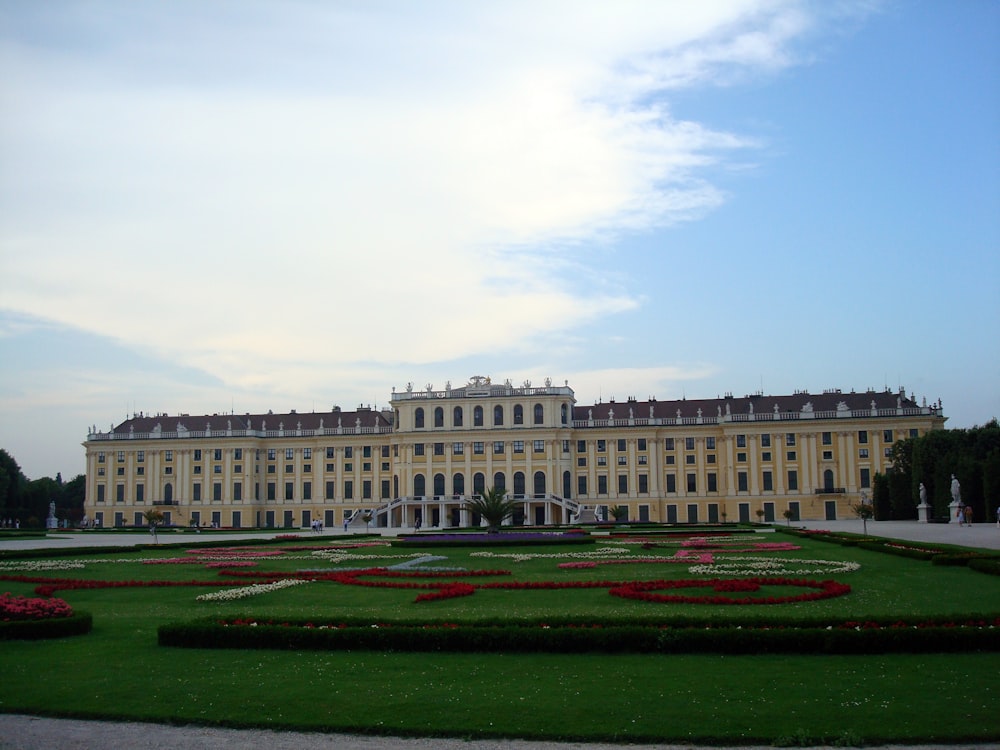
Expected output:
(481, 542)
(932, 635)
(79, 623)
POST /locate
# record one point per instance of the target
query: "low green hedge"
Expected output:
(79, 623)
(480, 541)
(929, 635)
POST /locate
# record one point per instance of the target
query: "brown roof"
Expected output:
(289, 421)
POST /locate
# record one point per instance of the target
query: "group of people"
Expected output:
(10, 523)
(317, 526)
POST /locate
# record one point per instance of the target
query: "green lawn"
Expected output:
(119, 670)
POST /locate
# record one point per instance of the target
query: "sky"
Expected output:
(248, 205)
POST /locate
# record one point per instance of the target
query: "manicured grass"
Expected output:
(119, 671)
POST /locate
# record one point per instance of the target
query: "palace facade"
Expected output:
(683, 461)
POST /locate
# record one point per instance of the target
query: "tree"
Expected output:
(619, 513)
(493, 506)
(154, 518)
(864, 511)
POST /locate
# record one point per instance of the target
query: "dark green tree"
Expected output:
(493, 506)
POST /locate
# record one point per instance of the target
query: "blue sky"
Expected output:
(259, 205)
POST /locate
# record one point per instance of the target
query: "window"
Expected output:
(790, 455)
(741, 457)
(538, 446)
(670, 460)
(914, 432)
(272, 454)
(366, 489)
(689, 443)
(671, 483)
(641, 444)
(602, 484)
(100, 493)
(581, 460)
(238, 453)
(887, 452)
(793, 479)
(458, 448)
(438, 449)
(581, 446)
(862, 453)
(741, 441)
(329, 490)
(366, 466)
(456, 417)
(689, 459)
(348, 451)
(866, 478)
(602, 446)
(305, 468)
(217, 491)
(270, 469)
(237, 491)
(140, 470)
(289, 468)
(196, 492)
(329, 452)
(623, 484)
(439, 416)
(765, 440)
(790, 438)
(713, 482)
(518, 414)
(692, 483)
(289, 454)
(100, 456)
(329, 467)
(565, 446)
(602, 460)
(140, 456)
(216, 454)
(643, 483)
(385, 490)
(710, 443)
(863, 437)
(348, 467)
(581, 484)
(497, 415)
(197, 455)
(348, 490)
(643, 460)
(765, 456)
(668, 444)
(217, 469)
(827, 455)
(197, 470)
(270, 491)
(477, 417)
(478, 448)
(768, 481)
(385, 466)
(140, 493)
(622, 460)
(539, 414)
(827, 438)
(289, 490)
(518, 446)
(418, 418)
(741, 481)
(497, 447)
(886, 436)
(418, 449)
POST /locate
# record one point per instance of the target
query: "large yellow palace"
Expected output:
(687, 461)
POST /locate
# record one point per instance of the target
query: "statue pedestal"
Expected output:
(953, 516)
(923, 513)
(51, 523)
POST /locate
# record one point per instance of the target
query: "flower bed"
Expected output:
(27, 618)
(500, 539)
(23, 608)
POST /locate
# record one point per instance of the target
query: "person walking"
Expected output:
(968, 515)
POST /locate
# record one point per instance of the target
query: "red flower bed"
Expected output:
(22, 608)
(48, 586)
(641, 590)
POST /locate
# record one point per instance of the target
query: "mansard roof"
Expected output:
(289, 421)
(828, 401)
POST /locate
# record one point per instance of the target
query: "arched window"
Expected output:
(419, 487)
(828, 480)
(539, 483)
(438, 485)
(478, 483)
(539, 414)
(458, 484)
(477, 417)
(518, 414)
(567, 485)
(518, 483)
(439, 417)
(456, 419)
(418, 417)
(565, 414)
(168, 492)
(499, 481)
(497, 415)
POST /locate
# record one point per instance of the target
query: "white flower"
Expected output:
(229, 595)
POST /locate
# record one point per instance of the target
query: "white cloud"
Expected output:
(420, 172)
